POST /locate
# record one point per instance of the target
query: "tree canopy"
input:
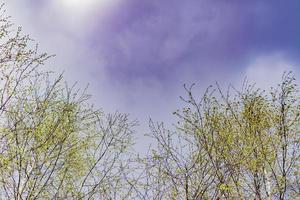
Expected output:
(54, 143)
(234, 145)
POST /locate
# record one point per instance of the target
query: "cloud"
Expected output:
(267, 70)
(137, 54)
(161, 40)
(152, 40)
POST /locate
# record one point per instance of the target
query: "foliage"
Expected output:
(234, 145)
(54, 144)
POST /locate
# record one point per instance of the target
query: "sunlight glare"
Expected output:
(84, 8)
(78, 12)
(81, 4)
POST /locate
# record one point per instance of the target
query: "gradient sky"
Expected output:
(137, 54)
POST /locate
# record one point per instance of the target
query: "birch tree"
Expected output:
(237, 144)
(54, 144)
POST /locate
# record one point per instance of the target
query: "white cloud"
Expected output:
(267, 70)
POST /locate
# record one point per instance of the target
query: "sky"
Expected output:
(137, 54)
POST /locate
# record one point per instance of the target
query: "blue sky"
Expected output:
(137, 54)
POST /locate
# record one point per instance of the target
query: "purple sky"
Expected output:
(136, 54)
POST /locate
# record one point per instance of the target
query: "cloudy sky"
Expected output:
(137, 54)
